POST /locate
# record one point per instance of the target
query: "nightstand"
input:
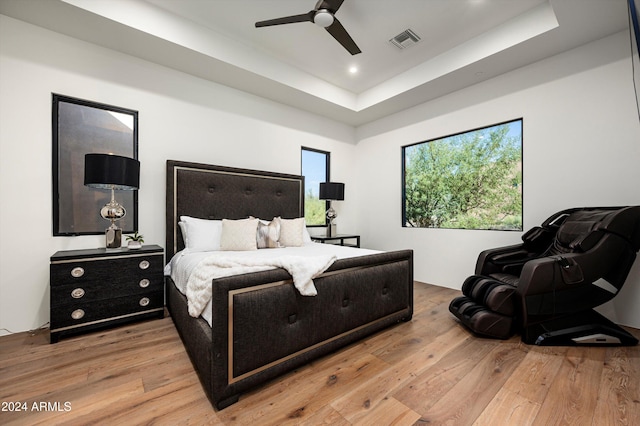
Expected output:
(339, 237)
(98, 287)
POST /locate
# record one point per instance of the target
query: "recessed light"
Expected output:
(353, 69)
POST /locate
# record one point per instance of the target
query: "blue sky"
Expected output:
(314, 170)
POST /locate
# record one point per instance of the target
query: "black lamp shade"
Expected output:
(108, 171)
(331, 191)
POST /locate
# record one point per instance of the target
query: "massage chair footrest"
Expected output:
(496, 294)
(481, 320)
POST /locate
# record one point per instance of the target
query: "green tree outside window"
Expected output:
(315, 169)
(471, 180)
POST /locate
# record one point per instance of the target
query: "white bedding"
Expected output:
(183, 265)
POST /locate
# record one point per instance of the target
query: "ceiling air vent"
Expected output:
(405, 39)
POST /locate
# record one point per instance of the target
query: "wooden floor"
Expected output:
(428, 371)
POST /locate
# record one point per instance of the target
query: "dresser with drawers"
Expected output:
(96, 288)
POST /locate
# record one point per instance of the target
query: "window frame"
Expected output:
(327, 155)
(465, 132)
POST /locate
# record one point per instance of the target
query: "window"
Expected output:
(470, 180)
(315, 169)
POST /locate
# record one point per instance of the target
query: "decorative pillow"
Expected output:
(306, 237)
(239, 235)
(268, 234)
(291, 232)
(200, 234)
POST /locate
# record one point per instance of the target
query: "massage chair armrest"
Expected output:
(508, 259)
(571, 270)
(590, 262)
(561, 284)
(559, 272)
(542, 275)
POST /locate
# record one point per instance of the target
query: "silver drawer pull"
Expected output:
(144, 301)
(77, 314)
(144, 283)
(77, 293)
(144, 264)
(77, 272)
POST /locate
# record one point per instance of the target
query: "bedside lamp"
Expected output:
(107, 171)
(331, 191)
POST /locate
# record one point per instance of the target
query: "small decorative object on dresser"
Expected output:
(98, 287)
(135, 241)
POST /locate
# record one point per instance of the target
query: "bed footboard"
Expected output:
(262, 327)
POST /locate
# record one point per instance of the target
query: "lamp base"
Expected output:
(331, 230)
(113, 237)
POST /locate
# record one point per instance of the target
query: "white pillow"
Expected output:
(306, 237)
(291, 232)
(268, 234)
(200, 234)
(239, 235)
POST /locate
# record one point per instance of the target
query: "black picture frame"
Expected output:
(81, 127)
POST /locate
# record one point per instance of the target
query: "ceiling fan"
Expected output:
(322, 15)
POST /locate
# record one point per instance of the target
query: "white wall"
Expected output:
(581, 148)
(180, 117)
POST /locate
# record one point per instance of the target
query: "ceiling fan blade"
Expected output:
(306, 17)
(332, 5)
(339, 33)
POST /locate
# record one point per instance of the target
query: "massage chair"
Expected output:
(546, 287)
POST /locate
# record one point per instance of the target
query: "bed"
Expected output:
(261, 326)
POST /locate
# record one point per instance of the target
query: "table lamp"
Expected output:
(331, 191)
(108, 171)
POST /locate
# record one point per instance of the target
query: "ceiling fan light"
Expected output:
(323, 18)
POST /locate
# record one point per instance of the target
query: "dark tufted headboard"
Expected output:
(216, 192)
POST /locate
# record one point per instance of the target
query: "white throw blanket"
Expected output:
(302, 270)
